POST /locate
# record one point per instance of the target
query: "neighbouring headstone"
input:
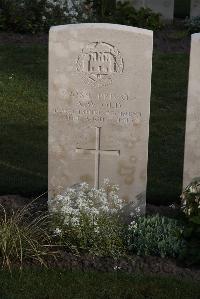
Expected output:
(99, 106)
(195, 8)
(192, 137)
(164, 7)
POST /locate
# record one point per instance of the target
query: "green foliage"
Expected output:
(100, 9)
(193, 25)
(191, 209)
(125, 14)
(22, 240)
(147, 19)
(34, 16)
(104, 238)
(155, 235)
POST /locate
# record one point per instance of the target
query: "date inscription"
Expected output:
(101, 108)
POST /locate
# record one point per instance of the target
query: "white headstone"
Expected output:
(99, 106)
(192, 137)
(195, 8)
(164, 7)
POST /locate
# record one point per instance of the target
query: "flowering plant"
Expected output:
(155, 235)
(87, 219)
(190, 203)
(38, 15)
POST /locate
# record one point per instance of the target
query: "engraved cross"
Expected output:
(98, 152)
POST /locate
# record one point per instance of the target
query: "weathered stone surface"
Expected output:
(99, 106)
(164, 7)
(195, 8)
(192, 137)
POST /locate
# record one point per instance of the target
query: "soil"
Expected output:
(130, 264)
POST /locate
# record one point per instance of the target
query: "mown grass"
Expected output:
(23, 115)
(49, 284)
(167, 127)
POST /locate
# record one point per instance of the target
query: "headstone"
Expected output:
(99, 106)
(195, 8)
(164, 7)
(192, 137)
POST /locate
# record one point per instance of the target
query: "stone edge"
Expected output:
(102, 26)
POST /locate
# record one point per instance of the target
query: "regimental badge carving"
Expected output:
(99, 62)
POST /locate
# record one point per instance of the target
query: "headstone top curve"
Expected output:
(102, 26)
(196, 36)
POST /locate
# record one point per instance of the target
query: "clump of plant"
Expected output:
(193, 24)
(124, 13)
(190, 205)
(99, 10)
(23, 240)
(87, 220)
(146, 18)
(155, 235)
(32, 16)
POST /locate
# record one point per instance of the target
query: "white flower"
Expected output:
(106, 181)
(74, 221)
(57, 232)
(117, 268)
(96, 230)
(172, 206)
(193, 189)
(83, 200)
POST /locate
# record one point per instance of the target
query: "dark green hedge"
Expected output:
(182, 8)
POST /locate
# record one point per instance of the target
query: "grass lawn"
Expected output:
(167, 127)
(23, 114)
(74, 285)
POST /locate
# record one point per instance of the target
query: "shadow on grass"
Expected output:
(23, 159)
(167, 127)
(58, 284)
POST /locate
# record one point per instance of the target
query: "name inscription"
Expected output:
(100, 108)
